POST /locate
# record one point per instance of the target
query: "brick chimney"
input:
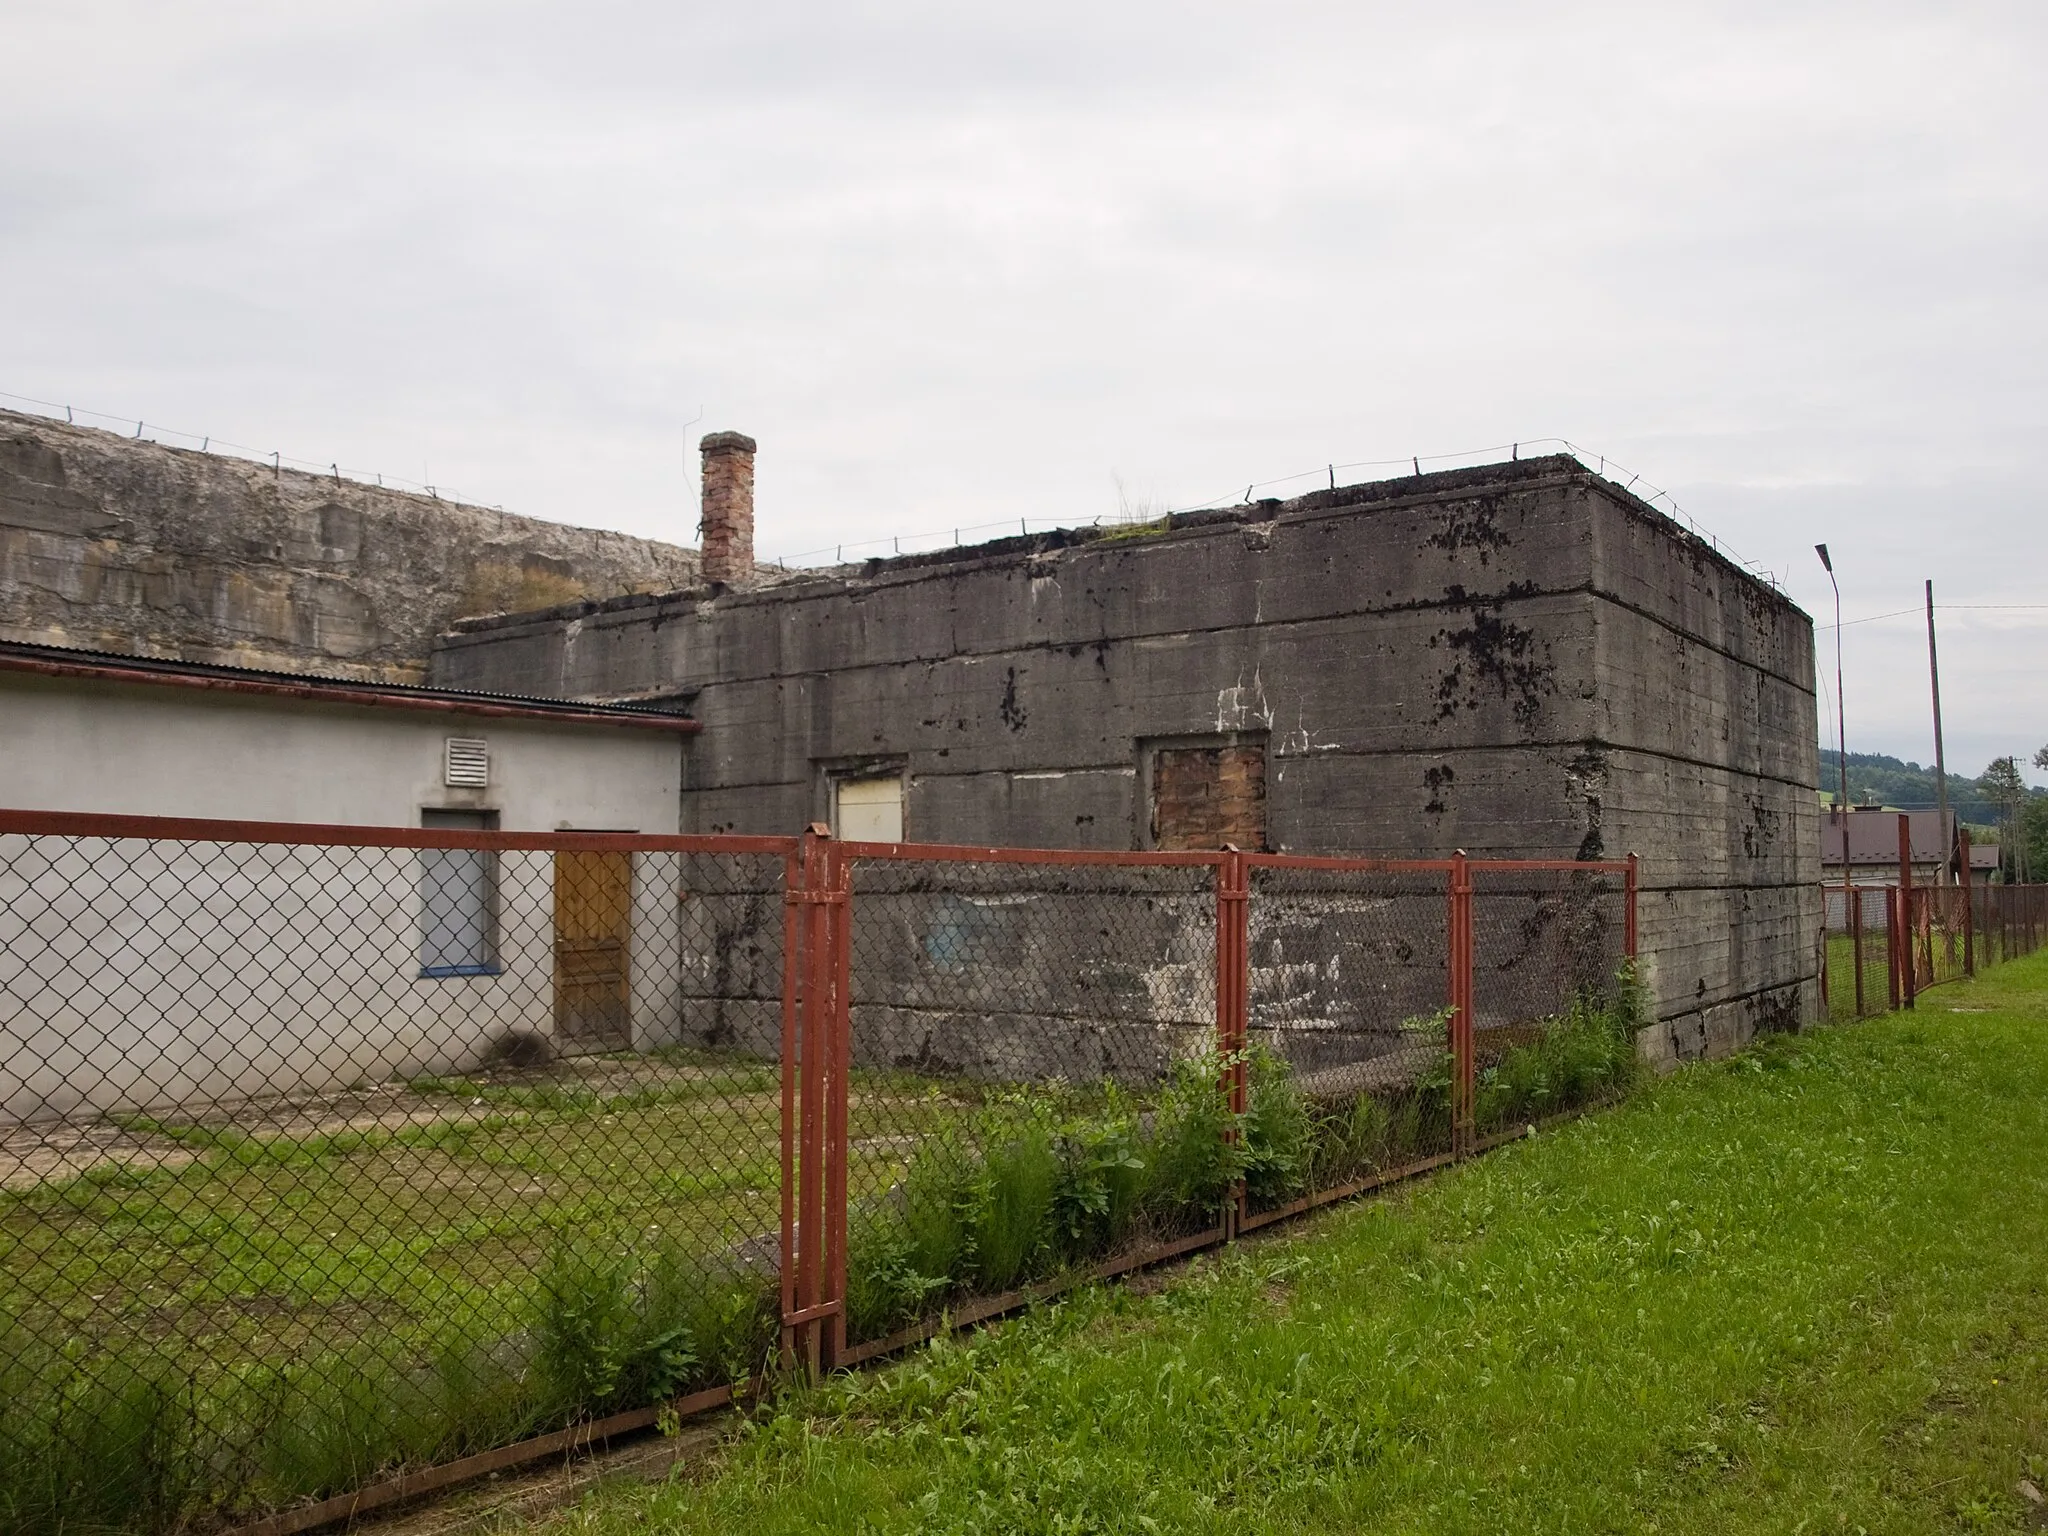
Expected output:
(728, 525)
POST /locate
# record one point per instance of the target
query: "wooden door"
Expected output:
(593, 950)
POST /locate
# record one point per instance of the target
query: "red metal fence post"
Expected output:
(1631, 886)
(1462, 1074)
(1233, 1001)
(792, 964)
(1969, 908)
(1906, 957)
(814, 1310)
(839, 926)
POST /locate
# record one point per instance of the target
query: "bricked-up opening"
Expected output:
(727, 528)
(1209, 796)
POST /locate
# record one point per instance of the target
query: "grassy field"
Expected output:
(416, 1202)
(282, 1300)
(207, 1318)
(1806, 1290)
(1946, 953)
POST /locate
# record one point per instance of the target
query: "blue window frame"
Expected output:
(458, 900)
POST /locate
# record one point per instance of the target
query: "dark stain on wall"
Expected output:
(1474, 526)
(1586, 774)
(1011, 711)
(1775, 1012)
(1436, 780)
(1494, 652)
(1759, 828)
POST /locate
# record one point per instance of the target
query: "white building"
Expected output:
(138, 971)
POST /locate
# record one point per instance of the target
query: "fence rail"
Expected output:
(328, 1153)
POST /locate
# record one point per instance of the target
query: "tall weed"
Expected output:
(702, 1323)
(1194, 1160)
(98, 1442)
(333, 1422)
(1102, 1179)
(1012, 1227)
(1280, 1132)
(1586, 1052)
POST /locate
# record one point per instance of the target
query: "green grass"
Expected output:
(436, 1221)
(1036, 1182)
(291, 1315)
(1947, 954)
(1804, 1290)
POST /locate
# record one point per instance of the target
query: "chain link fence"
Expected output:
(1881, 945)
(1029, 1033)
(323, 1156)
(329, 1155)
(1856, 979)
(2007, 921)
(1348, 1026)
(1553, 1001)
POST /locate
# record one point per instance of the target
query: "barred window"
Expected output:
(458, 899)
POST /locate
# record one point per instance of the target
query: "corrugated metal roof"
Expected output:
(115, 666)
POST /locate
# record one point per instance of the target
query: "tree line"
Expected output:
(1997, 801)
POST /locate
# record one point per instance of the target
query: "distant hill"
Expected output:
(1880, 780)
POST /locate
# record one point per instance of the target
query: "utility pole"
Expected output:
(1841, 722)
(1946, 833)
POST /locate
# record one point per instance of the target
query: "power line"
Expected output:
(1945, 608)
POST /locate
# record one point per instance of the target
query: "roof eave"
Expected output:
(360, 695)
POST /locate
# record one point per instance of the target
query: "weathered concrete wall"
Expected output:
(1707, 761)
(111, 544)
(1520, 660)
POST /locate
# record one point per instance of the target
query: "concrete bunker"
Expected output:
(1521, 660)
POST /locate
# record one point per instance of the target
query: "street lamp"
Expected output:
(1841, 718)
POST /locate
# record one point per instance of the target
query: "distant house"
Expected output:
(177, 958)
(1870, 837)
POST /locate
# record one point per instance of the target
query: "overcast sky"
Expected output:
(956, 266)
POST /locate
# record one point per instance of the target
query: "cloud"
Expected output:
(957, 267)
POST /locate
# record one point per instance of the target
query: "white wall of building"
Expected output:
(153, 750)
(160, 975)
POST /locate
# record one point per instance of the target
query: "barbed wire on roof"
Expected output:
(1600, 463)
(921, 543)
(151, 432)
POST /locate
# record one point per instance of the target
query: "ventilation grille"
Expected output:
(467, 763)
